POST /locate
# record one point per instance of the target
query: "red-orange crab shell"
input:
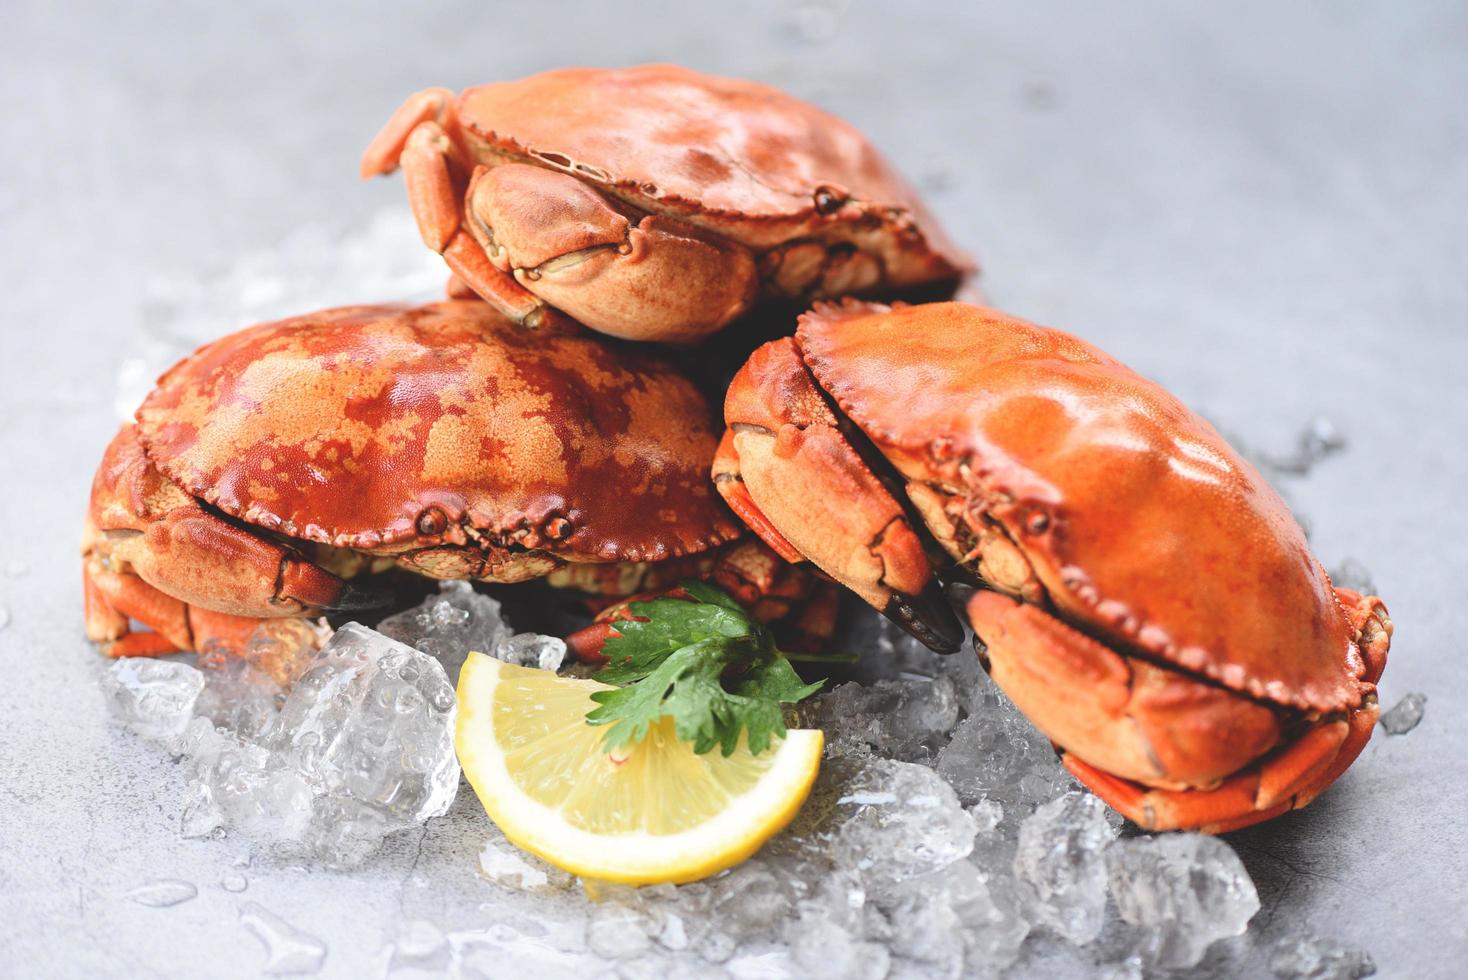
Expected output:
(655, 202)
(376, 427)
(1158, 612)
(273, 466)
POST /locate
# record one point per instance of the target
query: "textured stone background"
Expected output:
(1264, 208)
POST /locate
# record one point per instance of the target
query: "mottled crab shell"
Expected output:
(1146, 529)
(743, 159)
(381, 427)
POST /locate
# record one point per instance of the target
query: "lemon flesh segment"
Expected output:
(651, 812)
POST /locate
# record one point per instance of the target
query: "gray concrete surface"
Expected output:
(1261, 205)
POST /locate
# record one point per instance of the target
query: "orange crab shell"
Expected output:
(375, 427)
(747, 159)
(1138, 518)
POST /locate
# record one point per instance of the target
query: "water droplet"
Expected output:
(287, 949)
(234, 883)
(164, 892)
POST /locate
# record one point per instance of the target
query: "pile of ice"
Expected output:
(317, 746)
(942, 834)
(942, 838)
(340, 747)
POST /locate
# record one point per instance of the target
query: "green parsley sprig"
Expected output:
(706, 663)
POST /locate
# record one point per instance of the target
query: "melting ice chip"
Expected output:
(912, 825)
(533, 650)
(154, 698)
(288, 950)
(1186, 890)
(1308, 958)
(505, 864)
(1406, 715)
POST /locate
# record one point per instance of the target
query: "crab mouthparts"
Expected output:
(928, 617)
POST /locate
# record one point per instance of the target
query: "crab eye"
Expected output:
(432, 521)
(829, 200)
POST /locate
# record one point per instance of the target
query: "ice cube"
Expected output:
(372, 720)
(1310, 958)
(822, 946)
(247, 787)
(1405, 715)
(1185, 891)
(1061, 866)
(153, 698)
(237, 696)
(996, 754)
(447, 626)
(532, 650)
(891, 820)
(903, 718)
(749, 902)
(618, 931)
(509, 867)
(927, 917)
(284, 648)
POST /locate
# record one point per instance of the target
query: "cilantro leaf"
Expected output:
(704, 662)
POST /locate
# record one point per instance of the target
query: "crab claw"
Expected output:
(782, 462)
(928, 617)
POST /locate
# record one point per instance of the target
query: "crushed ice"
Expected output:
(941, 834)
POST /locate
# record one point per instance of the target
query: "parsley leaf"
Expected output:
(706, 663)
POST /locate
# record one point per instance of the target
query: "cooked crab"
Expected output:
(271, 466)
(655, 202)
(1151, 604)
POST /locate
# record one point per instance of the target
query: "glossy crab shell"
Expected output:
(1158, 614)
(656, 202)
(273, 464)
(378, 426)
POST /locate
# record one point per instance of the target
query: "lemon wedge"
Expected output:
(650, 812)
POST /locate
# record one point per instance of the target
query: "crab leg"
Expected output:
(386, 149)
(1287, 781)
(423, 137)
(114, 598)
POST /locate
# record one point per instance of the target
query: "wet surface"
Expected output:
(1262, 210)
